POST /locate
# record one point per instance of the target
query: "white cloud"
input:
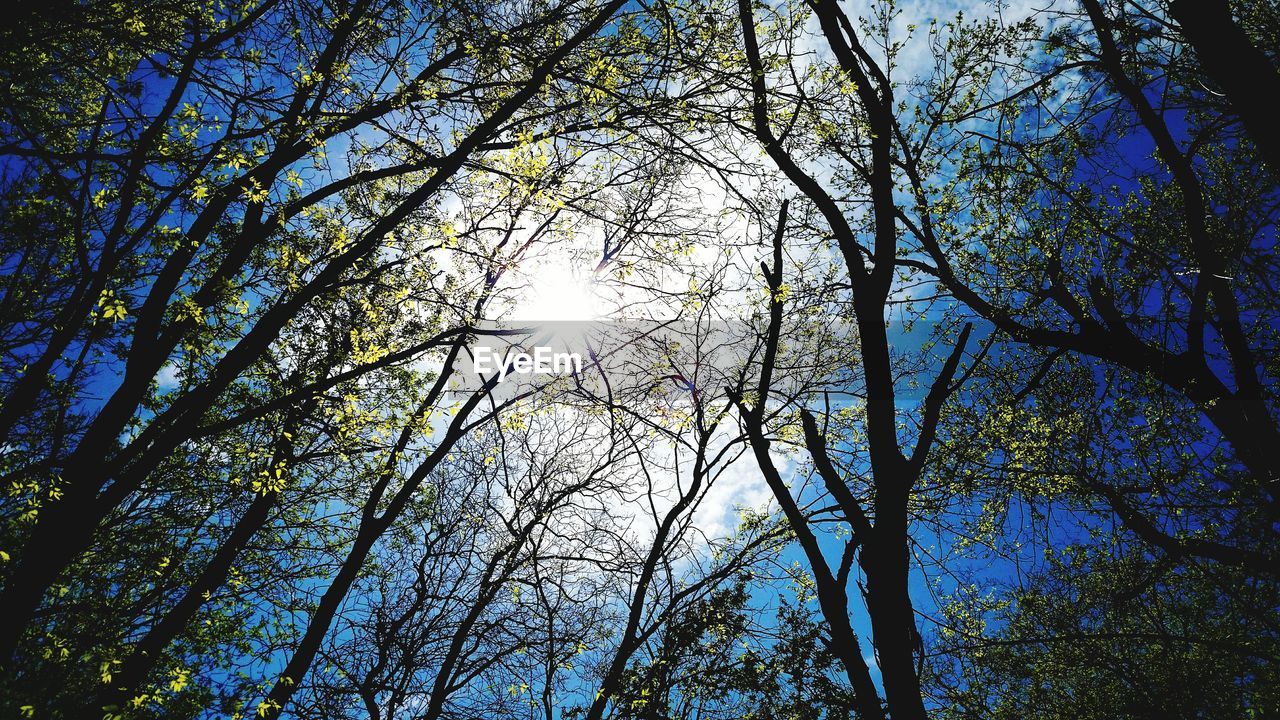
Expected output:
(167, 378)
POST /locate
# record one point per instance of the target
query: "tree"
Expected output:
(984, 305)
(878, 526)
(1070, 248)
(205, 234)
(1117, 635)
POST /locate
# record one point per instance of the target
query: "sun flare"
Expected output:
(555, 293)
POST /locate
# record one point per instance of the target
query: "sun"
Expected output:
(555, 293)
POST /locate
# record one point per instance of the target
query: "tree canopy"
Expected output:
(929, 359)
